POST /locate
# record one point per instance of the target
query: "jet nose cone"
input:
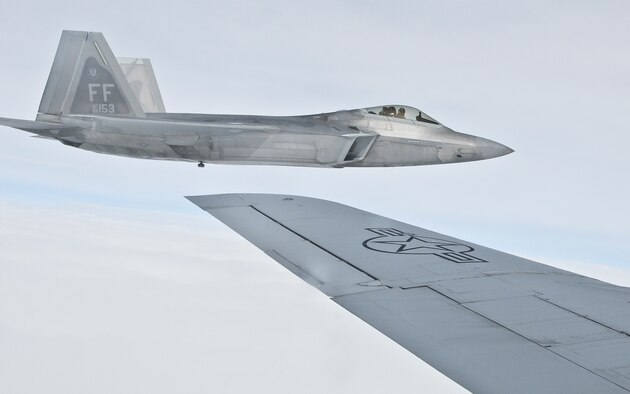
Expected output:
(488, 149)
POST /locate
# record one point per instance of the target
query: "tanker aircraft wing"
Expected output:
(490, 321)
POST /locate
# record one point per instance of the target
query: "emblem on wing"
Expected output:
(391, 240)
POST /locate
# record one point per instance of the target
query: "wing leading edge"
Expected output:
(490, 321)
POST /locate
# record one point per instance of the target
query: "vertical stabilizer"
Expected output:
(86, 79)
(141, 77)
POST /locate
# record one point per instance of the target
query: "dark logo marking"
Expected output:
(391, 240)
(97, 92)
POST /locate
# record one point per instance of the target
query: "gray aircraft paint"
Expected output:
(91, 103)
(492, 322)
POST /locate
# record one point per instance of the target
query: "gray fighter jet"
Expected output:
(99, 103)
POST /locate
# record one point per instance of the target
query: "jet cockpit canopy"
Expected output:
(402, 112)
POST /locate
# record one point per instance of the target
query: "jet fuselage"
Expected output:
(101, 103)
(339, 139)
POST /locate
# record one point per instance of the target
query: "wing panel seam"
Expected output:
(547, 348)
(583, 316)
(311, 242)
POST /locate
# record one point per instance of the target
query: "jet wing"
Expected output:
(492, 322)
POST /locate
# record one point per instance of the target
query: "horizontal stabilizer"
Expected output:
(31, 125)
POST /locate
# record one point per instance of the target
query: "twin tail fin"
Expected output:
(87, 79)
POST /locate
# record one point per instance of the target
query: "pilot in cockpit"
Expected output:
(401, 113)
(388, 111)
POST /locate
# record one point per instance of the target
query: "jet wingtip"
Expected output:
(216, 201)
(213, 201)
(198, 200)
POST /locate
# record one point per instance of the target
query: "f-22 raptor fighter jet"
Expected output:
(97, 102)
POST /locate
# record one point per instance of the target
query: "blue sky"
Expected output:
(550, 80)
